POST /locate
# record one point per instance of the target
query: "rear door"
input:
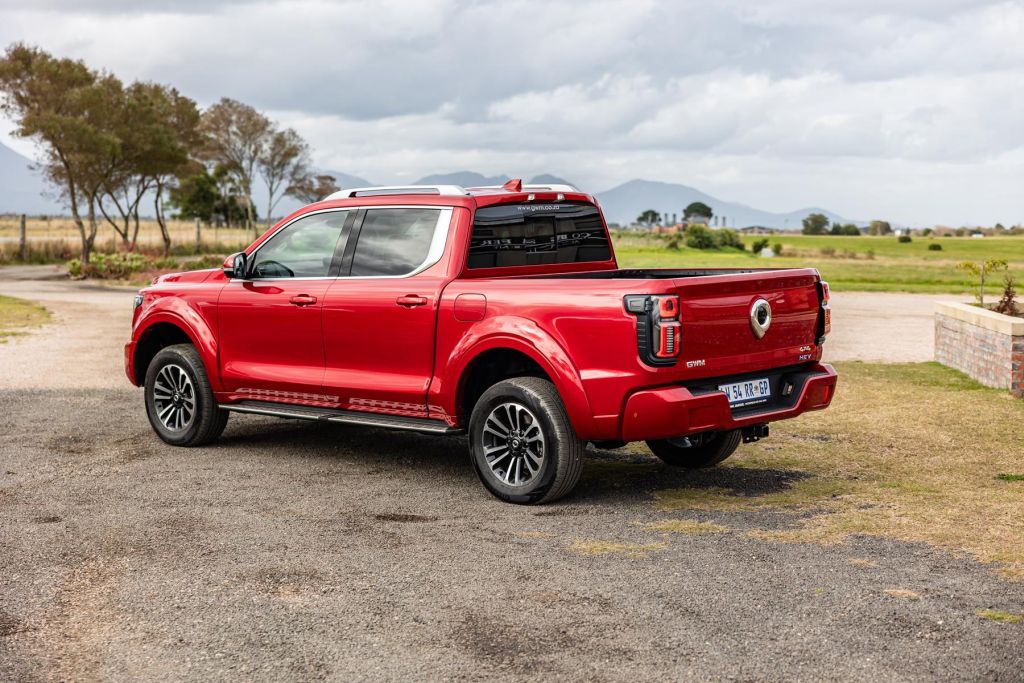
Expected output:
(270, 329)
(379, 318)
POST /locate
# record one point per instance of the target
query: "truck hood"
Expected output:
(186, 276)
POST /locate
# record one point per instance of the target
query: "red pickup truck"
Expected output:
(496, 311)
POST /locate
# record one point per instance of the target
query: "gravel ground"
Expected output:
(296, 551)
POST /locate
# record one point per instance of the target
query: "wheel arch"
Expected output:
(501, 356)
(167, 329)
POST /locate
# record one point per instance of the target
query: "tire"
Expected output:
(707, 453)
(179, 401)
(527, 417)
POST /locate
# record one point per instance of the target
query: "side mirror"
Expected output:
(234, 265)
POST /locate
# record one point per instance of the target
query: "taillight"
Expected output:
(658, 329)
(824, 313)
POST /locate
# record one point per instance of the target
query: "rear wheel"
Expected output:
(521, 442)
(179, 401)
(694, 452)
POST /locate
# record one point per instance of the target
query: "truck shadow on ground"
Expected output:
(607, 475)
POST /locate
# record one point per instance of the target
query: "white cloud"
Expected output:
(910, 110)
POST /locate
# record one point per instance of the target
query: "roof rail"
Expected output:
(554, 187)
(397, 189)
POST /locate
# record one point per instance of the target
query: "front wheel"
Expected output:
(700, 450)
(521, 442)
(179, 401)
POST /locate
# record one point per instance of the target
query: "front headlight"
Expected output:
(137, 302)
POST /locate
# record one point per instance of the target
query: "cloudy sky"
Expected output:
(911, 110)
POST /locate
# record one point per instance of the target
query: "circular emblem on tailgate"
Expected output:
(760, 317)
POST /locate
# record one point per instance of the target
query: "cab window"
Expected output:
(306, 248)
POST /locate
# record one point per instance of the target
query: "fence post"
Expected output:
(23, 242)
(199, 237)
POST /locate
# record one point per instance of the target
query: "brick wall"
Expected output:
(986, 346)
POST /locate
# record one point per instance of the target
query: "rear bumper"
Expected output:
(676, 411)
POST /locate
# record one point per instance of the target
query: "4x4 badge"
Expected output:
(760, 317)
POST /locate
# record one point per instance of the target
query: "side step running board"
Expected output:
(412, 424)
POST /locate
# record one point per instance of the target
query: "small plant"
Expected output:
(673, 244)
(870, 255)
(828, 252)
(1010, 477)
(777, 248)
(980, 270)
(935, 246)
(904, 239)
(1008, 301)
(759, 245)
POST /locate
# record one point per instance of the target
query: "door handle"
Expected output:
(410, 300)
(303, 300)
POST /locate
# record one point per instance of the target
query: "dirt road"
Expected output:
(293, 551)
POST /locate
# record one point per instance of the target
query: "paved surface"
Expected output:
(294, 551)
(883, 326)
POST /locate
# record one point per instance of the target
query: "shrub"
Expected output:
(673, 244)
(1008, 302)
(935, 247)
(904, 239)
(870, 255)
(726, 237)
(828, 251)
(758, 245)
(700, 237)
(777, 248)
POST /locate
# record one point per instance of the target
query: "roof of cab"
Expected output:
(512, 191)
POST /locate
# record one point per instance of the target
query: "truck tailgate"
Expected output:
(718, 336)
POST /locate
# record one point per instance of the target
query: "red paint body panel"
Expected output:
(403, 345)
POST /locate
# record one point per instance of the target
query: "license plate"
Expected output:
(747, 393)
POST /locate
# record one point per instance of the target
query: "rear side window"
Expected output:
(537, 234)
(394, 241)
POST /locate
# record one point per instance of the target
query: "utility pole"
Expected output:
(199, 237)
(23, 242)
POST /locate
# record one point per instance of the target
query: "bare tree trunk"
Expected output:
(135, 232)
(23, 241)
(160, 220)
(199, 236)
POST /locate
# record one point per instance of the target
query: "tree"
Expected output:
(195, 196)
(311, 189)
(283, 163)
(980, 270)
(815, 224)
(64, 107)
(234, 136)
(698, 210)
(879, 228)
(648, 218)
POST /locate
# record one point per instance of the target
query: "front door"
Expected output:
(271, 340)
(380, 319)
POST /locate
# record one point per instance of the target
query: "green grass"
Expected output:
(903, 452)
(1001, 615)
(16, 315)
(894, 267)
(1010, 477)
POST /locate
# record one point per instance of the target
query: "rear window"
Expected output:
(394, 242)
(537, 234)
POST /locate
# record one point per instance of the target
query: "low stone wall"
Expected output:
(987, 346)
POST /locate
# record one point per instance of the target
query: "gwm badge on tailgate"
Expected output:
(760, 317)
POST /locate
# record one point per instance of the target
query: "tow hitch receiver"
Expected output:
(754, 433)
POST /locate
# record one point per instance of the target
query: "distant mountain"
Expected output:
(463, 178)
(21, 188)
(548, 179)
(21, 191)
(622, 204)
